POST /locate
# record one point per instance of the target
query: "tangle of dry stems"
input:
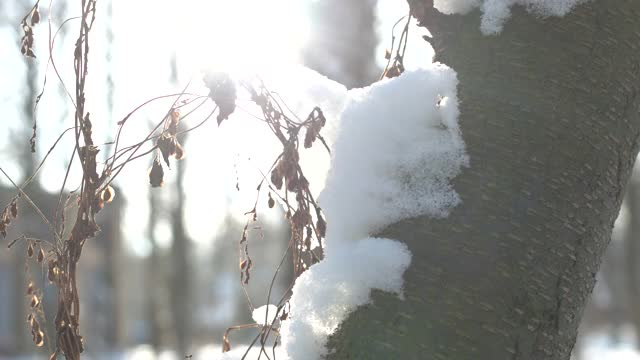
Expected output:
(285, 181)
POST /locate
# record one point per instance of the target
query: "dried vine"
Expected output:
(285, 182)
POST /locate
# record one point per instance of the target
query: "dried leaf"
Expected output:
(30, 53)
(39, 339)
(167, 145)
(3, 228)
(107, 194)
(34, 301)
(35, 16)
(52, 272)
(156, 175)
(276, 178)
(271, 202)
(13, 208)
(222, 90)
(30, 250)
(40, 255)
(243, 264)
(179, 155)
(172, 129)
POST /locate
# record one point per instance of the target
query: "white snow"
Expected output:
(263, 315)
(496, 12)
(395, 146)
(395, 153)
(326, 293)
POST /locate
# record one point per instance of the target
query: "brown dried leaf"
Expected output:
(179, 155)
(173, 124)
(271, 202)
(35, 16)
(156, 175)
(52, 272)
(13, 208)
(39, 338)
(276, 177)
(167, 145)
(30, 53)
(30, 250)
(40, 255)
(107, 194)
(35, 301)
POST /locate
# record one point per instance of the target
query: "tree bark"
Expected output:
(549, 114)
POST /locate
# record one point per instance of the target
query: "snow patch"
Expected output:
(398, 146)
(263, 315)
(326, 293)
(394, 149)
(496, 12)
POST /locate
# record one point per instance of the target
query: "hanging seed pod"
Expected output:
(40, 255)
(14, 208)
(167, 145)
(276, 178)
(108, 194)
(52, 272)
(156, 175)
(30, 250)
(30, 288)
(271, 202)
(173, 124)
(39, 338)
(34, 301)
(179, 155)
(35, 16)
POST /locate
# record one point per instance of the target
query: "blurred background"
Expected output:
(162, 277)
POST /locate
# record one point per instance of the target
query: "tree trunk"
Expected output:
(549, 114)
(181, 299)
(181, 294)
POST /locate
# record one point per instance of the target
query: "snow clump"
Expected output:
(496, 12)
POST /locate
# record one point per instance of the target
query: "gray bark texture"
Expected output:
(549, 114)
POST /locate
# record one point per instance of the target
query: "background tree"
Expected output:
(549, 113)
(343, 41)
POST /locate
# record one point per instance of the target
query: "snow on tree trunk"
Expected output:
(549, 116)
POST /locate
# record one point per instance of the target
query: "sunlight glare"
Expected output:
(241, 36)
